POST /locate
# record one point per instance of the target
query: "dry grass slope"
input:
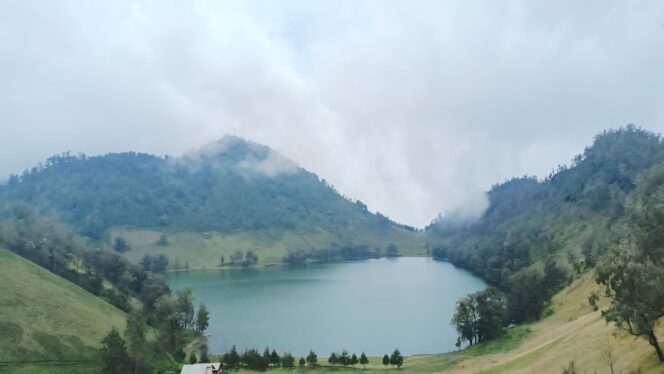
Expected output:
(573, 332)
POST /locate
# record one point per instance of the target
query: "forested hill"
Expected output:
(534, 231)
(228, 186)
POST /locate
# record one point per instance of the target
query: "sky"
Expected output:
(413, 107)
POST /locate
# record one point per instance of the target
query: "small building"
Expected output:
(211, 368)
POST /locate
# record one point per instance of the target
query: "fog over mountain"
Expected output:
(413, 108)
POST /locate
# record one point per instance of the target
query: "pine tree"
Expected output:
(353, 359)
(312, 359)
(232, 358)
(287, 360)
(136, 342)
(202, 318)
(396, 358)
(333, 359)
(275, 359)
(386, 360)
(114, 357)
(364, 360)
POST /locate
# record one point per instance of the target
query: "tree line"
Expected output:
(134, 352)
(339, 253)
(254, 360)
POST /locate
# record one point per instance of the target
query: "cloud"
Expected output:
(271, 166)
(413, 108)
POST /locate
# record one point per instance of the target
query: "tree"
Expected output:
(609, 357)
(634, 286)
(204, 358)
(146, 262)
(287, 360)
(254, 360)
(114, 357)
(202, 318)
(250, 259)
(344, 359)
(364, 360)
(266, 354)
(353, 359)
(274, 358)
(159, 263)
(302, 362)
(163, 240)
(232, 359)
(396, 358)
(236, 258)
(192, 358)
(312, 359)
(121, 245)
(526, 296)
(479, 316)
(333, 359)
(136, 342)
(185, 307)
(386, 360)
(392, 250)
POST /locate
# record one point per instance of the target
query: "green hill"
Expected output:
(247, 194)
(580, 209)
(47, 319)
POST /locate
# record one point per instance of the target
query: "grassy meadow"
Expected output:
(45, 318)
(204, 250)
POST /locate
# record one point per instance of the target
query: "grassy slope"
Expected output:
(45, 318)
(573, 332)
(270, 245)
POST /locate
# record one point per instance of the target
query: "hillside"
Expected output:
(247, 195)
(574, 332)
(568, 220)
(45, 318)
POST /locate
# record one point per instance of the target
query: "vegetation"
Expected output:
(479, 316)
(536, 236)
(229, 186)
(38, 310)
(109, 276)
(633, 274)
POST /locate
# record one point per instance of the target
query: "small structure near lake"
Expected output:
(211, 368)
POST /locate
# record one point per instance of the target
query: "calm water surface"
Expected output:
(371, 306)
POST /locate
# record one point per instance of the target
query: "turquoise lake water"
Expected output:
(373, 306)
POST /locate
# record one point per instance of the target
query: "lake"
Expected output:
(373, 306)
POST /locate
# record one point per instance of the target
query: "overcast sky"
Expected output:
(414, 107)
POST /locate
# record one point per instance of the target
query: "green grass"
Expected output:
(420, 364)
(45, 318)
(50, 368)
(204, 250)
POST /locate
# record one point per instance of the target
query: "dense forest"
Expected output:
(537, 235)
(230, 185)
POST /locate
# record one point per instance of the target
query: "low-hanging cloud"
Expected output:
(413, 108)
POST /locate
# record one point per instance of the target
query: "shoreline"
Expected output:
(274, 264)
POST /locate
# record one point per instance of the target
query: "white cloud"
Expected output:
(413, 108)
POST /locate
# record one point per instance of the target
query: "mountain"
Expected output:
(557, 227)
(45, 318)
(229, 195)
